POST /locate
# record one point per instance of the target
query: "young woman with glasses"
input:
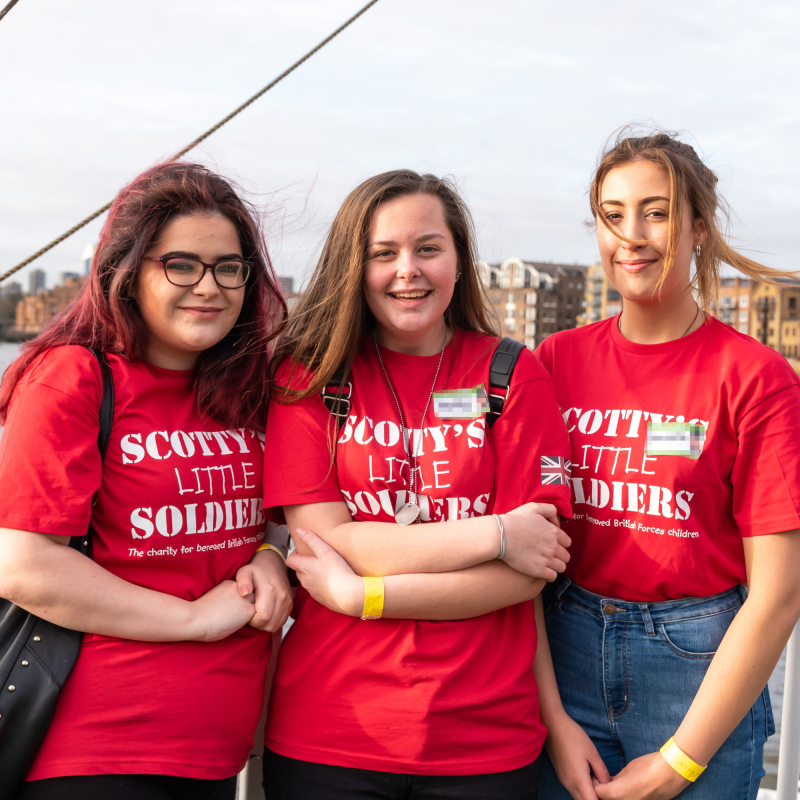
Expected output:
(686, 488)
(409, 671)
(168, 687)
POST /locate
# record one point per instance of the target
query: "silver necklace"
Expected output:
(619, 323)
(410, 512)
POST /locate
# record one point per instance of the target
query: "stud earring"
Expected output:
(458, 275)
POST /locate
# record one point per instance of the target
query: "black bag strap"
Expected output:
(106, 417)
(337, 397)
(501, 369)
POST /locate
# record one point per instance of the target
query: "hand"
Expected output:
(221, 611)
(535, 544)
(645, 778)
(575, 758)
(266, 576)
(327, 577)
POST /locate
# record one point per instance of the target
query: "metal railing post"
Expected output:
(789, 755)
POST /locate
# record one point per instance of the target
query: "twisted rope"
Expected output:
(8, 8)
(183, 151)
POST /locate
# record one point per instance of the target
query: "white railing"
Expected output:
(789, 754)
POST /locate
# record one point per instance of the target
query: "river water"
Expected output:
(9, 351)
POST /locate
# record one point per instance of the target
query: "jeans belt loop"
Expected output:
(648, 620)
(565, 584)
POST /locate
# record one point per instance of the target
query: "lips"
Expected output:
(636, 266)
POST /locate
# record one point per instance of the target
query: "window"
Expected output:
(744, 301)
(742, 316)
(743, 329)
(727, 301)
(793, 303)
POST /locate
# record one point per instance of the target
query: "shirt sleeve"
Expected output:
(532, 448)
(50, 465)
(300, 437)
(766, 471)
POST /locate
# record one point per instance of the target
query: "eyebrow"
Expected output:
(419, 239)
(641, 202)
(186, 254)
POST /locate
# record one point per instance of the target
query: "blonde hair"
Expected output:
(690, 180)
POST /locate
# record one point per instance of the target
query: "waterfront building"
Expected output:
(34, 311)
(533, 299)
(286, 284)
(37, 281)
(733, 303)
(86, 258)
(10, 289)
(775, 315)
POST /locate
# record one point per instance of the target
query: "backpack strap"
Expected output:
(337, 397)
(106, 417)
(504, 360)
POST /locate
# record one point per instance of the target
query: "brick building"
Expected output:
(34, 311)
(533, 299)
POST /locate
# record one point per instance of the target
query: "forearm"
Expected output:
(384, 548)
(550, 706)
(60, 585)
(736, 676)
(460, 594)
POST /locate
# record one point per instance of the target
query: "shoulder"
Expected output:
(748, 357)
(292, 376)
(572, 340)
(483, 346)
(71, 370)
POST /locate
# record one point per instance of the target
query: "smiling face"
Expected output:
(634, 200)
(410, 273)
(184, 321)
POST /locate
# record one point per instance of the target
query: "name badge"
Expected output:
(461, 403)
(675, 439)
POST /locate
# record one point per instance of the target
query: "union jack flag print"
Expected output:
(555, 470)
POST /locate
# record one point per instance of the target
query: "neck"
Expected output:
(170, 359)
(416, 343)
(657, 322)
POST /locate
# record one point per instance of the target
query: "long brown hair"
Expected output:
(232, 378)
(325, 327)
(692, 182)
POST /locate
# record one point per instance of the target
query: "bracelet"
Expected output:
(268, 546)
(502, 537)
(373, 598)
(680, 762)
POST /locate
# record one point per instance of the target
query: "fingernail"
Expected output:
(301, 531)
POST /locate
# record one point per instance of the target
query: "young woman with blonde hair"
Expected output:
(437, 697)
(685, 488)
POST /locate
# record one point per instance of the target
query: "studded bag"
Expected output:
(36, 656)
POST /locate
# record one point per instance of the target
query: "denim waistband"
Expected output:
(613, 609)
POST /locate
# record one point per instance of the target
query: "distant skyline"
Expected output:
(513, 98)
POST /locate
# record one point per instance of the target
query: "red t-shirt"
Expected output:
(679, 449)
(178, 511)
(432, 698)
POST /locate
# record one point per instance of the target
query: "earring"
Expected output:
(697, 253)
(458, 275)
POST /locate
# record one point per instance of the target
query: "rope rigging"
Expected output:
(8, 8)
(194, 143)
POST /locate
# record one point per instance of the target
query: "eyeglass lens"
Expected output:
(187, 272)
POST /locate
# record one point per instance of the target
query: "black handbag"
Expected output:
(36, 656)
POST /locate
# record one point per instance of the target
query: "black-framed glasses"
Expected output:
(230, 273)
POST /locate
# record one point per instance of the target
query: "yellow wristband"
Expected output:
(267, 546)
(373, 598)
(680, 762)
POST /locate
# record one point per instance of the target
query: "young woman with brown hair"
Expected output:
(167, 690)
(437, 697)
(686, 488)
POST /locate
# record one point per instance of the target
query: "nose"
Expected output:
(633, 229)
(207, 286)
(406, 265)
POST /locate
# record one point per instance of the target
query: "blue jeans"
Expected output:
(628, 672)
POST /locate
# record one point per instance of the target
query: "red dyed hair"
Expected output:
(232, 377)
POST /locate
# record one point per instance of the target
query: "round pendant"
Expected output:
(407, 514)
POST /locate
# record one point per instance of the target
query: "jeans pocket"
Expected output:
(696, 638)
(768, 710)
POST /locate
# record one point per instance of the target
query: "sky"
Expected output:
(513, 98)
